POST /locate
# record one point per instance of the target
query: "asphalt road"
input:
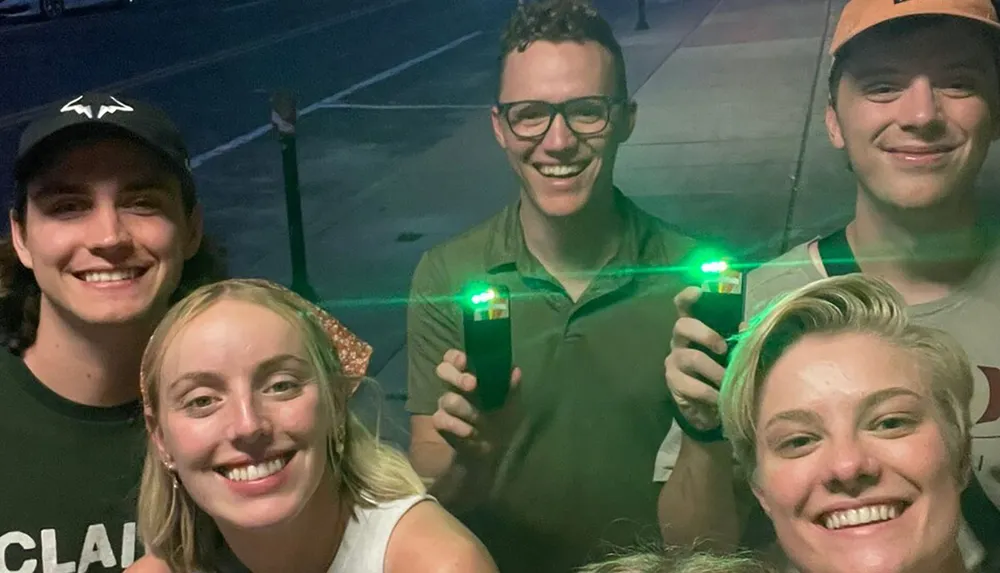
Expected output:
(212, 64)
(395, 152)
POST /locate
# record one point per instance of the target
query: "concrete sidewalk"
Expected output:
(730, 143)
(721, 141)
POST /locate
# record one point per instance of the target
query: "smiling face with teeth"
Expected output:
(561, 173)
(106, 234)
(917, 121)
(852, 464)
(242, 419)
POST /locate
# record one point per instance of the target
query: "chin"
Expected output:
(882, 560)
(561, 203)
(121, 315)
(262, 514)
(920, 194)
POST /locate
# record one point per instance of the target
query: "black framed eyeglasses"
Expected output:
(531, 119)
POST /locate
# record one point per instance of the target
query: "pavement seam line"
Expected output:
(786, 234)
(19, 117)
(392, 355)
(200, 159)
(678, 46)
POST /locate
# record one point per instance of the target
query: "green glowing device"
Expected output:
(486, 321)
(722, 301)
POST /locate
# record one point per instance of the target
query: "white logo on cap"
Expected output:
(88, 110)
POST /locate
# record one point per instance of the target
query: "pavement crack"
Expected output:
(786, 234)
(677, 46)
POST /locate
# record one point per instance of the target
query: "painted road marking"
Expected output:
(242, 140)
(20, 117)
(250, 4)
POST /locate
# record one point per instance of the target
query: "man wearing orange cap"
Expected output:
(915, 105)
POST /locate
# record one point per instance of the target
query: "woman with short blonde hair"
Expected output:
(852, 425)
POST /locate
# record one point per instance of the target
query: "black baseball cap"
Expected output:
(102, 113)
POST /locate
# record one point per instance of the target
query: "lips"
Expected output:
(860, 515)
(915, 151)
(561, 170)
(255, 470)
(919, 150)
(110, 275)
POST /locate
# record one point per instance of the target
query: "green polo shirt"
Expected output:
(594, 403)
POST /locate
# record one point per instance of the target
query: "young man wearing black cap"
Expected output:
(915, 105)
(105, 235)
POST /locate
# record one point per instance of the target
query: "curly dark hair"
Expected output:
(20, 295)
(561, 21)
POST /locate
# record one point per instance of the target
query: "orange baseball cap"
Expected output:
(861, 15)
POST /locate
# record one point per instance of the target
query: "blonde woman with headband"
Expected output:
(852, 424)
(254, 458)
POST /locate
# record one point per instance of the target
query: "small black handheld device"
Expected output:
(486, 321)
(721, 304)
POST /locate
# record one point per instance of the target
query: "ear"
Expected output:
(17, 239)
(195, 223)
(761, 499)
(498, 127)
(833, 127)
(965, 475)
(156, 436)
(630, 113)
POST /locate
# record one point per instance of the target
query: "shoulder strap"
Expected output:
(838, 259)
(984, 519)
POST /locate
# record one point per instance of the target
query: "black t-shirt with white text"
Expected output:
(69, 479)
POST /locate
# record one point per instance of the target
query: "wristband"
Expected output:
(703, 436)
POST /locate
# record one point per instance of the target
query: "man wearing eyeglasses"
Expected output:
(562, 468)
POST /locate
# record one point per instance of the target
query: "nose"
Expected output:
(919, 107)
(851, 467)
(250, 424)
(559, 137)
(108, 233)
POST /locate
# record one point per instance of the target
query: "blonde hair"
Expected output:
(846, 304)
(173, 527)
(679, 560)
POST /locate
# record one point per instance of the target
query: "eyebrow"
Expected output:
(799, 416)
(808, 417)
(877, 398)
(161, 181)
(204, 377)
(967, 64)
(157, 180)
(56, 188)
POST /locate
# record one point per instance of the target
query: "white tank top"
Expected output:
(366, 538)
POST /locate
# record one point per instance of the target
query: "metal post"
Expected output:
(642, 24)
(283, 117)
